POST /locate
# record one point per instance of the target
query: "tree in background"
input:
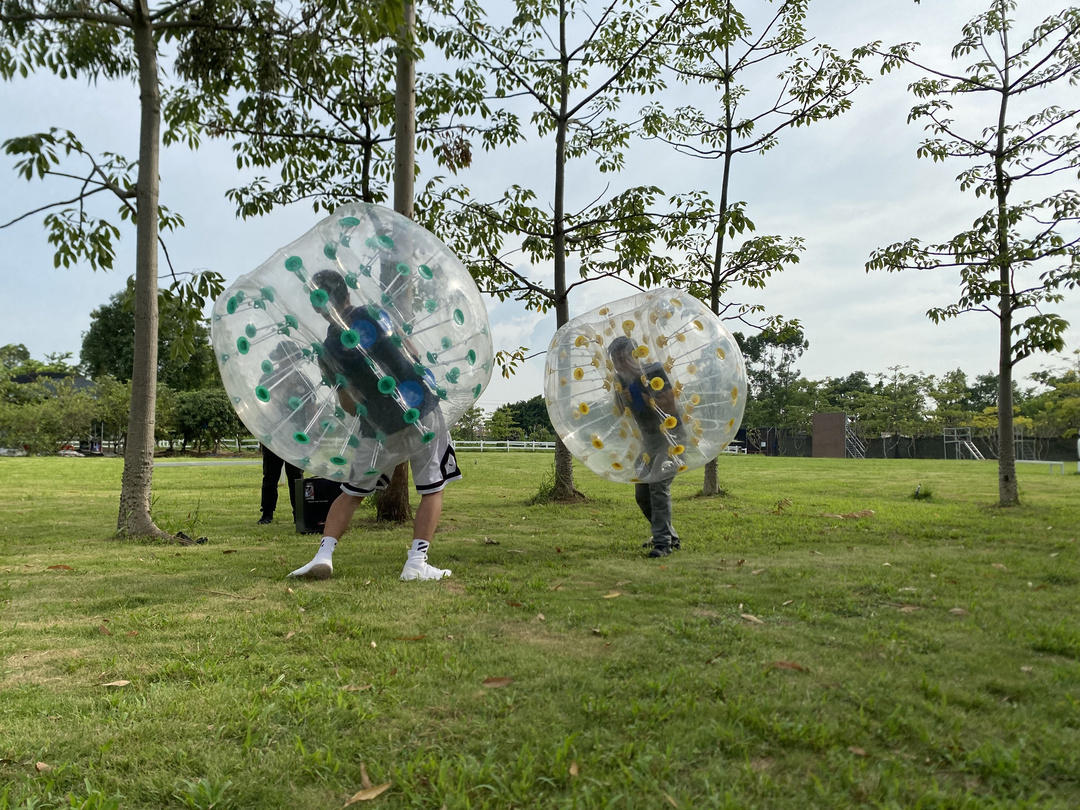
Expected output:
(1056, 411)
(185, 357)
(502, 426)
(1020, 255)
(770, 356)
(109, 39)
(765, 75)
(204, 418)
(567, 69)
(470, 426)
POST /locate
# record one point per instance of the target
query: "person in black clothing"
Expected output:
(271, 474)
(646, 393)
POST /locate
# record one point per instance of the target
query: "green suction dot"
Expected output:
(396, 340)
(387, 385)
(380, 437)
(250, 330)
(224, 357)
(267, 293)
(453, 374)
(349, 338)
(459, 317)
(353, 441)
(361, 409)
(318, 348)
(385, 241)
(350, 279)
(291, 320)
(319, 298)
(266, 366)
(341, 379)
(387, 299)
(403, 269)
(262, 393)
(427, 437)
(372, 471)
(242, 345)
(365, 270)
(425, 271)
(339, 412)
(431, 305)
(446, 343)
(294, 264)
(419, 369)
(230, 305)
(330, 250)
(301, 437)
(432, 358)
(327, 425)
(471, 357)
(476, 391)
(349, 222)
(410, 416)
(406, 328)
(440, 393)
(258, 303)
(295, 402)
(338, 460)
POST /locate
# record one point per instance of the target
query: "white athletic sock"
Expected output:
(419, 547)
(326, 549)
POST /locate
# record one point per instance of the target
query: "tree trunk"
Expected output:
(564, 468)
(134, 517)
(393, 503)
(1008, 492)
(711, 484)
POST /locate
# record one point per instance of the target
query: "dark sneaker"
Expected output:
(265, 519)
(676, 543)
(660, 550)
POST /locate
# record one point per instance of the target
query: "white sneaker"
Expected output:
(316, 569)
(416, 567)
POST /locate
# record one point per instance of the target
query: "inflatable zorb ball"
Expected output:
(646, 387)
(352, 347)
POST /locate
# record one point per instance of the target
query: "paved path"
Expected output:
(207, 463)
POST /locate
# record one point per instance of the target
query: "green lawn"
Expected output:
(799, 652)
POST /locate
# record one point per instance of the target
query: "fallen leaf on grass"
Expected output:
(59, 568)
(958, 612)
(612, 595)
(859, 752)
(367, 794)
(132, 632)
(670, 800)
(999, 566)
(496, 683)
(787, 602)
(117, 683)
(104, 630)
(514, 604)
(908, 608)
(792, 665)
(540, 617)
(849, 515)
(354, 688)
(228, 551)
(289, 635)
(573, 769)
(751, 618)
(42, 767)
(758, 571)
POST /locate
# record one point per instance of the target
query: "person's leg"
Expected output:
(432, 468)
(271, 472)
(337, 521)
(292, 475)
(663, 533)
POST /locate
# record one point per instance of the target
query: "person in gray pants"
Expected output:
(646, 391)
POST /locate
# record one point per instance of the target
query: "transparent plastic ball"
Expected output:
(353, 346)
(646, 387)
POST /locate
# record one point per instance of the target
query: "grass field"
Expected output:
(798, 652)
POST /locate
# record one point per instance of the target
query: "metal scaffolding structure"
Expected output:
(853, 445)
(958, 440)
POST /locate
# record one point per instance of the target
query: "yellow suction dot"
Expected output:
(670, 422)
(579, 373)
(583, 408)
(656, 384)
(628, 326)
(597, 442)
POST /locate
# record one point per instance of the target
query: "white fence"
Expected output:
(503, 447)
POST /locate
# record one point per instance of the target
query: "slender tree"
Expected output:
(97, 40)
(567, 69)
(765, 79)
(1021, 254)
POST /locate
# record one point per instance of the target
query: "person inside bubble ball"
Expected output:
(293, 384)
(372, 351)
(645, 391)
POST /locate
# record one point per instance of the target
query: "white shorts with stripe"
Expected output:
(433, 466)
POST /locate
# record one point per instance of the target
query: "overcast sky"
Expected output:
(847, 186)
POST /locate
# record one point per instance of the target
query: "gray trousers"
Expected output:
(655, 502)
